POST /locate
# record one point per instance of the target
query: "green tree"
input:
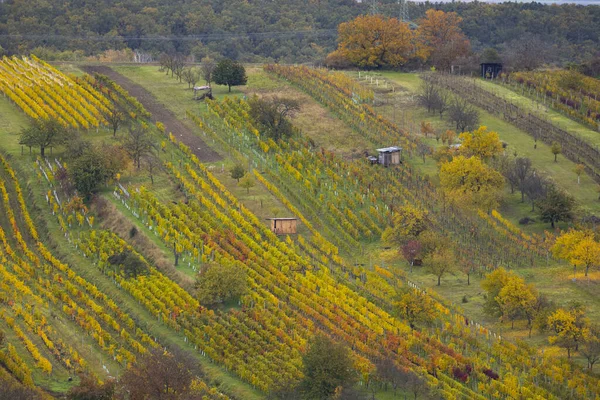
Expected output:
(327, 369)
(220, 282)
(556, 206)
(89, 172)
(230, 73)
(44, 134)
(273, 114)
(440, 262)
(131, 264)
(556, 149)
(237, 172)
(247, 182)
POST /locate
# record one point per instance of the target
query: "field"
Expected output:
(335, 277)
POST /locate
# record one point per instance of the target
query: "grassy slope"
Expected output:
(562, 172)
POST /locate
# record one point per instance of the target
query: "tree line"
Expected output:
(74, 29)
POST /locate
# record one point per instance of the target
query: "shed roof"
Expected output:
(282, 219)
(391, 149)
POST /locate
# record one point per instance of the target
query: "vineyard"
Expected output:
(574, 94)
(101, 317)
(574, 148)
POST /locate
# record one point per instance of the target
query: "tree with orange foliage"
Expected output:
(441, 35)
(373, 41)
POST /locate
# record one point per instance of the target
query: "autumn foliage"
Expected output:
(375, 41)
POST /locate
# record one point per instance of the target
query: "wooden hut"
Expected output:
(490, 70)
(389, 155)
(283, 226)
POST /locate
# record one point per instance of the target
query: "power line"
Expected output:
(201, 37)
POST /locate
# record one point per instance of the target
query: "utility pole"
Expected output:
(403, 11)
(374, 7)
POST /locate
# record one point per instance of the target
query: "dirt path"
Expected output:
(160, 113)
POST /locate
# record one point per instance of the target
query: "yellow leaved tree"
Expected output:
(481, 143)
(579, 248)
(470, 182)
(374, 41)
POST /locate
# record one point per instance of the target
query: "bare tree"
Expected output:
(463, 114)
(522, 171)
(427, 95)
(190, 76)
(528, 52)
(207, 68)
(152, 164)
(535, 188)
(138, 145)
(115, 117)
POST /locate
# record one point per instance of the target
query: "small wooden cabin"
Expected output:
(283, 226)
(390, 155)
(490, 70)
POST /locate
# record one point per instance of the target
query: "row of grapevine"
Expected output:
(572, 93)
(43, 92)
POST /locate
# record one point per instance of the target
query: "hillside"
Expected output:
(74, 309)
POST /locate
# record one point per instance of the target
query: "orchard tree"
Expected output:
(411, 251)
(44, 134)
(591, 347)
(469, 181)
(440, 262)
(416, 308)
(570, 328)
(579, 248)
(237, 172)
(463, 114)
(230, 73)
(219, 282)
(138, 144)
(159, 375)
(517, 299)
(131, 264)
(115, 117)
(407, 224)
(481, 143)
(493, 284)
(556, 149)
(207, 69)
(273, 115)
(89, 172)
(328, 368)
(247, 182)
(522, 171)
(556, 206)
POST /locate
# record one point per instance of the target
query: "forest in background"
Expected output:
(281, 31)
